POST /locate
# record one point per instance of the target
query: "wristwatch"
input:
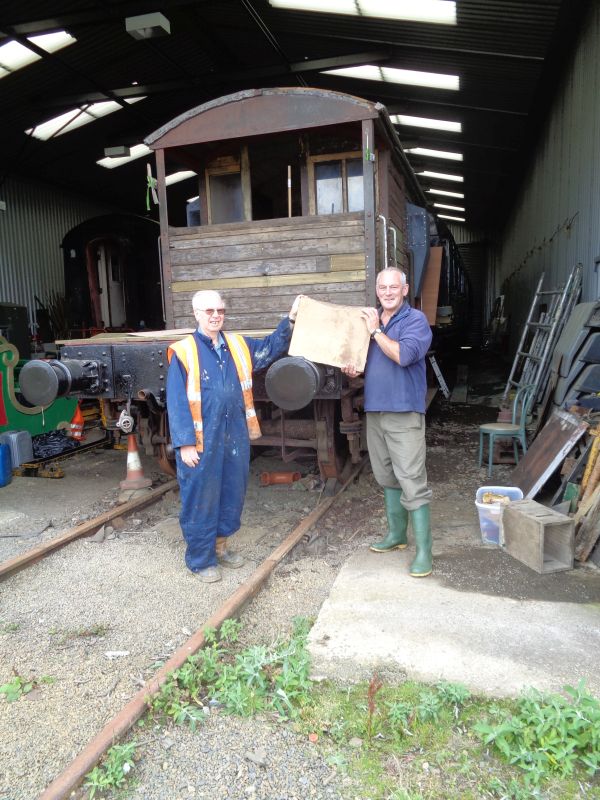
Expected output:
(375, 332)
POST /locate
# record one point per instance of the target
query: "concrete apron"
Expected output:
(379, 619)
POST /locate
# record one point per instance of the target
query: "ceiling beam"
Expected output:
(316, 65)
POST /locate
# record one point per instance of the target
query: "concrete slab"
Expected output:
(481, 619)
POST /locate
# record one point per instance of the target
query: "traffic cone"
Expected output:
(77, 424)
(135, 475)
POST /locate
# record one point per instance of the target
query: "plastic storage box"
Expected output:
(490, 514)
(5, 465)
(21, 446)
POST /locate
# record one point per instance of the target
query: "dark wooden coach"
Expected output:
(296, 191)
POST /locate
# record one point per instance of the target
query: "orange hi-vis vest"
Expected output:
(187, 352)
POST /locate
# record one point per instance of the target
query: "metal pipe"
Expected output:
(270, 478)
(68, 780)
(385, 244)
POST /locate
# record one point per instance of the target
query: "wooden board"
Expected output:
(545, 455)
(330, 334)
(589, 532)
(431, 284)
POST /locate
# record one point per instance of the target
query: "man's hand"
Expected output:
(371, 318)
(350, 370)
(189, 455)
(294, 309)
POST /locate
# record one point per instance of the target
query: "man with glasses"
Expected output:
(212, 420)
(395, 392)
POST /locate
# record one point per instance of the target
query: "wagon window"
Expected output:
(330, 196)
(356, 194)
(225, 193)
(337, 184)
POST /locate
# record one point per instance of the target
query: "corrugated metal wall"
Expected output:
(31, 229)
(556, 222)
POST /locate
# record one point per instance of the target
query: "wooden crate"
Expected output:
(538, 536)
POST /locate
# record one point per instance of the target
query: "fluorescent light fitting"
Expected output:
(137, 151)
(177, 177)
(442, 12)
(148, 26)
(447, 216)
(76, 118)
(410, 77)
(426, 151)
(425, 122)
(444, 176)
(446, 193)
(448, 208)
(193, 199)
(118, 151)
(15, 56)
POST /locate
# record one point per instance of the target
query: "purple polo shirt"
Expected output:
(399, 387)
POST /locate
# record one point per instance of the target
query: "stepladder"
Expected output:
(539, 336)
(438, 374)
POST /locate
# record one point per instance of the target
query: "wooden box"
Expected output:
(538, 536)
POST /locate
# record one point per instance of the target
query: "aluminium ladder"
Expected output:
(530, 366)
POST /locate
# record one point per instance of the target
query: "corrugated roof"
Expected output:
(507, 55)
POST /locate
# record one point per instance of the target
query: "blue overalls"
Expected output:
(212, 493)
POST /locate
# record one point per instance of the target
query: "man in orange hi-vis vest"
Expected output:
(212, 420)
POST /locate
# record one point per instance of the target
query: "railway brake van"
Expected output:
(297, 191)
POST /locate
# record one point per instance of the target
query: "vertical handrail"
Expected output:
(385, 244)
(394, 233)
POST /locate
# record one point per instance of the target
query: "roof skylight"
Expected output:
(444, 176)
(15, 56)
(446, 193)
(76, 117)
(182, 175)
(425, 122)
(137, 151)
(410, 77)
(448, 208)
(438, 11)
(425, 151)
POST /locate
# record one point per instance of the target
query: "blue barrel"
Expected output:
(5, 465)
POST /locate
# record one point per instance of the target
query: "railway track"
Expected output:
(71, 777)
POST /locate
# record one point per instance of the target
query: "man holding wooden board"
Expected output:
(395, 393)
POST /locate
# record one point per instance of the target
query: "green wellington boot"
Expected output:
(397, 517)
(421, 527)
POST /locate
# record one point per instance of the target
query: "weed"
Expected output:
(114, 771)
(429, 707)
(9, 627)
(97, 630)
(374, 687)
(17, 687)
(244, 683)
(453, 694)
(400, 716)
(548, 734)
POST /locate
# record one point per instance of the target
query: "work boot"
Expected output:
(225, 557)
(209, 575)
(397, 517)
(421, 566)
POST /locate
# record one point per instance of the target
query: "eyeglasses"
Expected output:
(210, 311)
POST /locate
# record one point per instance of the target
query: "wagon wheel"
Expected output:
(332, 446)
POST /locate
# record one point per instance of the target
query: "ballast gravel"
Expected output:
(95, 620)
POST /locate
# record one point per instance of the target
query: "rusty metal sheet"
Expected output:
(547, 452)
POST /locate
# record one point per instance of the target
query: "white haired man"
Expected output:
(395, 393)
(212, 420)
